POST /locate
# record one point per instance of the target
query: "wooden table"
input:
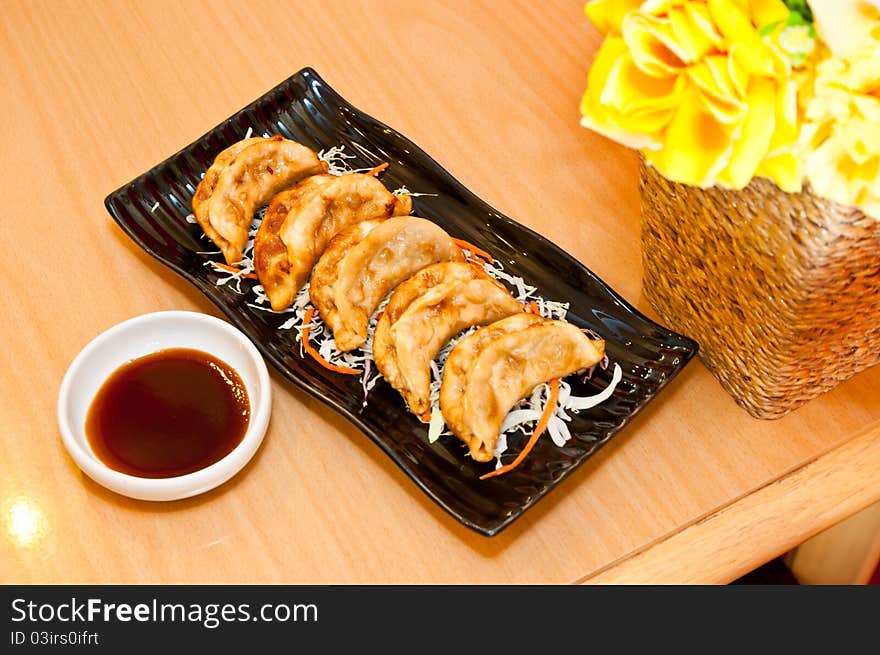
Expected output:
(94, 93)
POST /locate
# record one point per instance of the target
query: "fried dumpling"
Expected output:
(501, 367)
(339, 247)
(209, 181)
(423, 313)
(243, 177)
(430, 276)
(271, 259)
(349, 281)
(461, 358)
(301, 221)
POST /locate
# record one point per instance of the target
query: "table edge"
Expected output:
(746, 533)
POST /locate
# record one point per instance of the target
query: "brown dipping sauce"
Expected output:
(169, 413)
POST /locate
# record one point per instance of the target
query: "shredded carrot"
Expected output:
(539, 430)
(233, 269)
(376, 170)
(310, 349)
(425, 417)
(478, 252)
(534, 307)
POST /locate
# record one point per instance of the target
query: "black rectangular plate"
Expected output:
(306, 109)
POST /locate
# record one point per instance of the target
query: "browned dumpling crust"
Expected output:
(460, 360)
(424, 313)
(271, 260)
(243, 178)
(496, 369)
(349, 281)
(430, 276)
(205, 189)
(333, 255)
(301, 221)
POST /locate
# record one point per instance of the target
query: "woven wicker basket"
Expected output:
(782, 291)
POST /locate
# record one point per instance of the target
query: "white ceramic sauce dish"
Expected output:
(148, 334)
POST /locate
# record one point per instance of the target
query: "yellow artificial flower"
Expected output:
(697, 88)
(607, 15)
(841, 133)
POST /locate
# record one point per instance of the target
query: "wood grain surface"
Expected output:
(95, 93)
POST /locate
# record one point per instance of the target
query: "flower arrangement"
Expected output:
(758, 124)
(718, 92)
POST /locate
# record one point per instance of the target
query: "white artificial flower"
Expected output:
(844, 24)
